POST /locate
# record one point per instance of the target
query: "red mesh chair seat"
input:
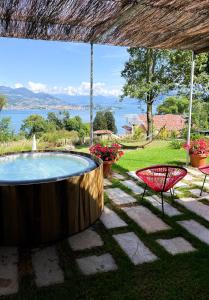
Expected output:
(161, 178)
(205, 170)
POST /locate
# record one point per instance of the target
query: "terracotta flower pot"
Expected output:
(198, 160)
(107, 168)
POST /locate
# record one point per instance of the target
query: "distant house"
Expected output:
(169, 121)
(103, 134)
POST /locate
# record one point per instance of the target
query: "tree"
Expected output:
(52, 118)
(35, 124)
(150, 73)
(146, 78)
(76, 124)
(180, 105)
(6, 133)
(110, 120)
(100, 122)
(200, 116)
(3, 101)
(174, 105)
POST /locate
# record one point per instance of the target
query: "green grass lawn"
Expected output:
(158, 152)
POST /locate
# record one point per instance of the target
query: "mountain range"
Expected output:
(24, 97)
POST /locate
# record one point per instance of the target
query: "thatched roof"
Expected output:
(182, 24)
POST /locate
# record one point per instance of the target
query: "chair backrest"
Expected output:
(161, 178)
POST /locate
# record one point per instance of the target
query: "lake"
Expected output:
(122, 109)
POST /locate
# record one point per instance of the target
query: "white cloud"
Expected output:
(18, 85)
(37, 87)
(100, 89)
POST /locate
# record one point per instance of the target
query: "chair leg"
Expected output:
(172, 194)
(162, 203)
(145, 188)
(203, 185)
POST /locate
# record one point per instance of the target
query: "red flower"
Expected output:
(200, 146)
(106, 153)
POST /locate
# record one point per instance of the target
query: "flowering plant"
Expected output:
(200, 146)
(107, 153)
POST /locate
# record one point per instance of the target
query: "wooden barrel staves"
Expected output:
(40, 213)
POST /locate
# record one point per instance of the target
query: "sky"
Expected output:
(61, 67)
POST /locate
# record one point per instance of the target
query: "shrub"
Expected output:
(164, 134)
(60, 138)
(176, 144)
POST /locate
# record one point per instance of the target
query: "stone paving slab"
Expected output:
(196, 229)
(195, 206)
(178, 192)
(94, 264)
(196, 192)
(119, 197)
(8, 271)
(181, 184)
(168, 209)
(134, 248)
(145, 219)
(176, 245)
(46, 266)
(107, 182)
(133, 175)
(118, 176)
(188, 177)
(110, 219)
(86, 239)
(195, 172)
(200, 183)
(133, 187)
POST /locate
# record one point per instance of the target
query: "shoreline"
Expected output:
(52, 107)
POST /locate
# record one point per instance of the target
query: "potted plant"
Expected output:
(109, 155)
(198, 151)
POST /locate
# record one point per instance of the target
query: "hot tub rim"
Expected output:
(98, 162)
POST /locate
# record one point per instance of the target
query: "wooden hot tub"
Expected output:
(32, 213)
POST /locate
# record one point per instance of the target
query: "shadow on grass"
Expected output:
(176, 163)
(120, 169)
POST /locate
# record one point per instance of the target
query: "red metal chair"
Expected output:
(161, 178)
(204, 170)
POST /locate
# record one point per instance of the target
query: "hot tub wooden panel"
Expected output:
(45, 212)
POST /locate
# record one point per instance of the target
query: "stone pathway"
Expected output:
(8, 271)
(196, 229)
(181, 184)
(46, 266)
(133, 175)
(145, 219)
(119, 197)
(168, 209)
(195, 172)
(195, 206)
(133, 187)
(93, 264)
(196, 192)
(46, 261)
(200, 183)
(188, 177)
(176, 245)
(85, 240)
(111, 220)
(118, 176)
(107, 182)
(134, 248)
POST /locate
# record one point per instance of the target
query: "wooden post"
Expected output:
(91, 95)
(190, 105)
